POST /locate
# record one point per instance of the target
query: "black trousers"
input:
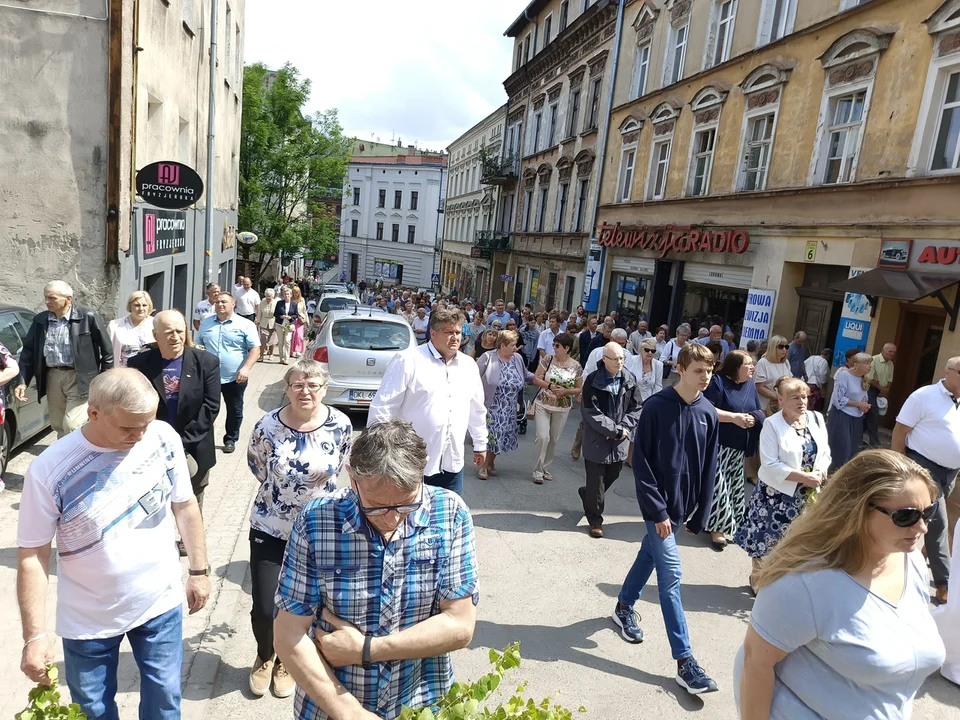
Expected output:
(232, 393)
(599, 479)
(266, 557)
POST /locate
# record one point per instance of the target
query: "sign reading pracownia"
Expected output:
(674, 238)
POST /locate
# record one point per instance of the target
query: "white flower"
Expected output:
(285, 452)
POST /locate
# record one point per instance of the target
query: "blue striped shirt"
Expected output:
(56, 346)
(335, 559)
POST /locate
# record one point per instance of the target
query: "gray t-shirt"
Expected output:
(851, 653)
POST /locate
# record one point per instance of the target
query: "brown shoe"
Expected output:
(260, 676)
(941, 594)
(575, 453)
(596, 532)
(283, 683)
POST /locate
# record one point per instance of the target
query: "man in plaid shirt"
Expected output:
(379, 584)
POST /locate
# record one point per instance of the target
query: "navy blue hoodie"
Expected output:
(675, 459)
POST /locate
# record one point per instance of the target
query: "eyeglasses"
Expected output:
(908, 517)
(312, 387)
(783, 347)
(381, 511)
(650, 351)
(613, 359)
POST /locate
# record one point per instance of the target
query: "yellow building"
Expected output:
(783, 147)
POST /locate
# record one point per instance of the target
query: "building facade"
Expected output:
(762, 152)
(82, 114)
(470, 209)
(390, 222)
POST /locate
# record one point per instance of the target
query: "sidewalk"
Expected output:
(226, 513)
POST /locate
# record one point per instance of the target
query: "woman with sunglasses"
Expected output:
(295, 453)
(794, 458)
(560, 379)
(770, 368)
(841, 627)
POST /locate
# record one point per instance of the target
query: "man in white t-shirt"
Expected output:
(110, 493)
(247, 301)
(205, 307)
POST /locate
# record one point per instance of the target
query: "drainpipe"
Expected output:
(438, 258)
(211, 138)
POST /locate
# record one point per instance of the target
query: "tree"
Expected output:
(289, 162)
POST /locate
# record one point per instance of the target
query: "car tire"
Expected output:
(6, 444)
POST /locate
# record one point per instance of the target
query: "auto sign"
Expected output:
(169, 185)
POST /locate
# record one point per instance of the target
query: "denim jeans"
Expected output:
(91, 669)
(662, 556)
(233, 403)
(445, 479)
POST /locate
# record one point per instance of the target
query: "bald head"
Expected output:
(613, 358)
(170, 332)
(889, 352)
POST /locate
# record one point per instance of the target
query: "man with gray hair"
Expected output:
(379, 585)
(110, 494)
(594, 362)
(66, 347)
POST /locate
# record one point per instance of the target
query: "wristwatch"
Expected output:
(366, 650)
(199, 573)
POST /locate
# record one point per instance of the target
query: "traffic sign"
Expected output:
(435, 277)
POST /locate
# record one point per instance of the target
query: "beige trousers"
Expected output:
(549, 427)
(67, 408)
(284, 334)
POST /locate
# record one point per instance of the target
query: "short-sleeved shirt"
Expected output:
(230, 341)
(851, 654)
(881, 370)
(767, 373)
(335, 559)
(933, 415)
(565, 377)
(203, 310)
(110, 513)
(247, 302)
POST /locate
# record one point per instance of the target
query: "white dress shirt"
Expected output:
(247, 302)
(443, 400)
(817, 369)
(933, 417)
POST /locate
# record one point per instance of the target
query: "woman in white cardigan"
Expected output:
(794, 459)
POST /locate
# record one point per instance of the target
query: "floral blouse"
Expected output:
(565, 377)
(294, 467)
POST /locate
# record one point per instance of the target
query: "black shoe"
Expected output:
(229, 446)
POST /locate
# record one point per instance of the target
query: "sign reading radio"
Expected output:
(164, 233)
(674, 238)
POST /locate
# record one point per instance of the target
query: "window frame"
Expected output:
(765, 23)
(379, 231)
(670, 66)
(627, 167)
(711, 127)
(414, 199)
(537, 126)
(543, 202)
(356, 195)
(579, 215)
(659, 141)
(576, 96)
(638, 88)
(825, 129)
(395, 232)
(715, 52)
(547, 31)
(564, 16)
(748, 118)
(596, 93)
(398, 199)
(354, 227)
(552, 125)
(527, 208)
(563, 198)
(411, 234)
(382, 198)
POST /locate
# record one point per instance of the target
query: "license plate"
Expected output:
(362, 395)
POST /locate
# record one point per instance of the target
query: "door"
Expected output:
(920, 330)
(153, 284)
(180, 275)
(518, 276)
(820, 320)
(571, 301)
(552, 292)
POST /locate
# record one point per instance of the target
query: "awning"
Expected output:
(904, 285)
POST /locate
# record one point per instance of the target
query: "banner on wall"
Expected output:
(593, 276)
(383, 268)
(854, 323)
(757, 316)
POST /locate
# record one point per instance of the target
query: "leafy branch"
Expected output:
(43, 702)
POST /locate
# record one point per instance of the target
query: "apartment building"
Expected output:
(786, 166)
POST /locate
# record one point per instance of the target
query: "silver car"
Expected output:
(333, 301)
(356, 346)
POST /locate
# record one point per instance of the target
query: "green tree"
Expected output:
(289, 163)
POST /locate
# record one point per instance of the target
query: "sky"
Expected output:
(424, 71)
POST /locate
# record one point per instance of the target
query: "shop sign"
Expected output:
(810, 254)
(854, 323)
(170, 185)
(506, 278)
(675, 238)
(757, 316)
(928, 256)
(164, 233)
(481, 253)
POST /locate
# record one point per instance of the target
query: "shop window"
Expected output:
(723, 15)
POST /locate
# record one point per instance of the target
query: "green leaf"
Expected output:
(426, 714)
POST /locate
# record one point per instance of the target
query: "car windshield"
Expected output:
(370, 335)
(334, 303)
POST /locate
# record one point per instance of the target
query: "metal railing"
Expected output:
(493, 240)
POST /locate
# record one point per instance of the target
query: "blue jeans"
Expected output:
(662, 556)
(449, 480)
(233, 403)
(91, 669)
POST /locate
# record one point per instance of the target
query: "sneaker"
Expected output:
(283, 684)
(229, 446)
(692, 678)
(629, 623)
(260, 676)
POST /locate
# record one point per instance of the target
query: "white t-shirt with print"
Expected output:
(202, 310)
(110, 511)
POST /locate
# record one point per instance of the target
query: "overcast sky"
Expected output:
(421, 70)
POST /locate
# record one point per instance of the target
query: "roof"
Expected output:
(532, 10)
(897, 284)
(433, 160)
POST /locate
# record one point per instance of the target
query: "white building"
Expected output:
(390, 222)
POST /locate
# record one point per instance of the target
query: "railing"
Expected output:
(499, 170)
(493, 240)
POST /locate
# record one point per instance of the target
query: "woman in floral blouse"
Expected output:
(295, 453)
(560, 378)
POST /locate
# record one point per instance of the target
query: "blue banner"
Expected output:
(593, 276)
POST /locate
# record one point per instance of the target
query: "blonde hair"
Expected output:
(505, 337)
(788, 384)
(832, 533)
(297, 295)
(140, 295)
(648, 343)
(772, 343)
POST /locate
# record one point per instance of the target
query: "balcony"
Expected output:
(499, 170)
(489, 242)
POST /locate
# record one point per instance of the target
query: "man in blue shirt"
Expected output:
(378, 586)
(499, 313)
(236, 343)
(716, 336)
(797, 355)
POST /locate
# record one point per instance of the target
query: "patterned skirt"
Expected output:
(769, 514)
(728, 496)
(502, 430)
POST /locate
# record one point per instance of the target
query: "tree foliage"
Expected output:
(289, 162)
(44, 702)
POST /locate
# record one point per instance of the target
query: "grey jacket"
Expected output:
(605, 415)
(489, 365)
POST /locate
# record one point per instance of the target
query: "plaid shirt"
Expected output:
(335, 559)
(56, 346)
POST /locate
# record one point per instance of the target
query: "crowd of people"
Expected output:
(361, 593)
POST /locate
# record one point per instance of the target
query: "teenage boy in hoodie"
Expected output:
(674, 463)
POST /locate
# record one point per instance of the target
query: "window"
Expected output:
(354, 227)
(850, 4)
(526, 48)
(725, 12)
(228, 48)
(641, 69)
(581, 213)
(701, 164)
(379, 231)
(756, 156)
(562, 194)
(356, 196)
(188, 11)
(542, 209)
(659, 166)
(237, 63)
(411, 234)
(527, 209)
(564, 12)
(395, 233)
(415, 198)
(594, 115)
(776, 20)
(946, 148)
(397, 199)
(382, 200)
(676, 53)
(552, 130)
(519, 60)
(574, 112)
(628, 158)
(547, 29)
(843, 137)
(537, 120)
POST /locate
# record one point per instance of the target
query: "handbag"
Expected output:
(531, 406)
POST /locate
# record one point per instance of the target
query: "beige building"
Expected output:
(763, 151)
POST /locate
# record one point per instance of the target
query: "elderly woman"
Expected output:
(734, 395)
(486, 341)
(560, 379)
(299, 324)
(841, 626)
(134, 330)
(286, 312)
(663, 332)
(503, 374)
(671, 352)
(848, 404)
(267, 324)
(295, 454)
(770, 368)
(794, 459)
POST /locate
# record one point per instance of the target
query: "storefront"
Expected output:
(713, 291)
(631, 283)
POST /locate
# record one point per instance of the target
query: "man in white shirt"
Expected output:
(817, 369)
(638, 336)
(205, 307)
(238, 288)
(437, 389)
(421, 326)
(110, 493)
(248, 301)
(545, 341)
(928, 431)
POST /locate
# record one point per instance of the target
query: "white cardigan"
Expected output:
(781, 450)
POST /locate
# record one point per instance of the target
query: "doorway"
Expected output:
(354, 263)
(180, 287)
(819, 318)
(153, 284)
(920, 328)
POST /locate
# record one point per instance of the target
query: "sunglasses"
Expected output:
(908, 517)
(783, 347)
(649, 351)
